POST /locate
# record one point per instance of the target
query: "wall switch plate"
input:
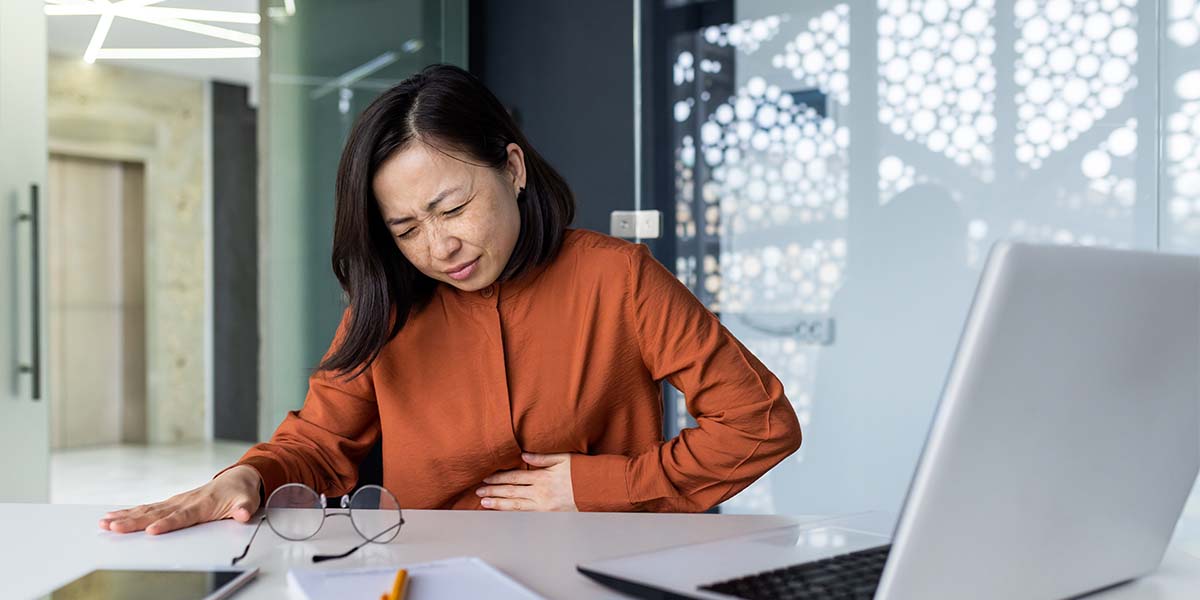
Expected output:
(636, 224)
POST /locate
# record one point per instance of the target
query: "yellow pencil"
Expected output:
(399, 586)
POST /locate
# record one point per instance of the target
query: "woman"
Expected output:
(506, 361)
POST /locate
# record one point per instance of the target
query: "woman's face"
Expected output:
(455, 222)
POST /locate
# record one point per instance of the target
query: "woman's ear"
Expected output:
(516, 166)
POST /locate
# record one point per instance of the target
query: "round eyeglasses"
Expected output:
(297, 512)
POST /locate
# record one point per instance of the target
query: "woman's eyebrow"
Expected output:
(429, 206)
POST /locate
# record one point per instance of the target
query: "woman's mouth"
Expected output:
(463, 272)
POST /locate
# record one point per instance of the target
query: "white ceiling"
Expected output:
(69, 36)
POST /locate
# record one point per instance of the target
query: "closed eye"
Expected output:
(450, 213)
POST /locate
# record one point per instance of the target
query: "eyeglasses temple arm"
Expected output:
(247, 550)
(324, 557)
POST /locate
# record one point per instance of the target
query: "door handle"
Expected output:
(34, 367)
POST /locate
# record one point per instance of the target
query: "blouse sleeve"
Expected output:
(745, 424)
(321, 444)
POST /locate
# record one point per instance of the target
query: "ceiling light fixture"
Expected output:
(98, 36)
(192, 20)
(185, 25)
(191, 14)
(177, 53)
(279, 12)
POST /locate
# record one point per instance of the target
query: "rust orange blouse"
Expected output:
(567, 358)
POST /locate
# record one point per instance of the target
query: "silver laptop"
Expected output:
(1062, 452)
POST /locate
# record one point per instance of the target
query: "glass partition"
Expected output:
(842, 168)
(323, 63)
(1179, 172)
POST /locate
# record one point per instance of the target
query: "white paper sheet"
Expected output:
(448, 579)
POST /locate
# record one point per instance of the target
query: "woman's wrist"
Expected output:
(248, 477)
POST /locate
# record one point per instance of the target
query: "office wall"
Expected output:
(565, 69)
(109, 112)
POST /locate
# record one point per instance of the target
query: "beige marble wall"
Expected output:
(111, 112)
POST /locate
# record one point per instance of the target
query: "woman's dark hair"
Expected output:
(450, 110)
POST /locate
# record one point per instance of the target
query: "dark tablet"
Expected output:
(154, 584)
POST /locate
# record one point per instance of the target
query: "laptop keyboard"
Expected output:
(852, 576)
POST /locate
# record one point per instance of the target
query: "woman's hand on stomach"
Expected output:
(545, 488)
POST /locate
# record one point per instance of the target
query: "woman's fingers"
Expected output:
(184, 517)
(508, 497)
(116, 514)
(518, 477)
(505, 491)
(134, 523)
(508, 504)
(126, 513)
(132, 519)
(143, 517)
(109, 517)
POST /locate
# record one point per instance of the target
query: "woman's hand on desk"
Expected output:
(232, 494)
(546, 488)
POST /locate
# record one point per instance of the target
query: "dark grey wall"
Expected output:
(565, 69)
(235, 264)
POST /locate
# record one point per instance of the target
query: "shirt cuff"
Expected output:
(270, 473)
(598, 483)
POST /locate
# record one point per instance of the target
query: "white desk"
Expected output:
(48, 545)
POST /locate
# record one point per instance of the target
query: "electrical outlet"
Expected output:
(636, 224)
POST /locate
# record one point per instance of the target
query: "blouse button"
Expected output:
(487, 291)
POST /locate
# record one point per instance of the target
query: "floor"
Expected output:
(129, 474)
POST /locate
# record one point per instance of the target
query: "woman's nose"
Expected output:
(444, 245)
